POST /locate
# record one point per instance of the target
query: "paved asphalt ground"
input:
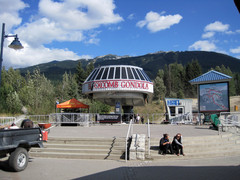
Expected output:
(222, 168)
(121, 130)
(225, 168)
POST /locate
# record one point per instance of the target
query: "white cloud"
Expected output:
(131, 16)
(65, 20)
(217, 26)
(81, 14)
(92, 38)
(230, 32)
(203, 46)
(208, 35)
(238, 31)
(156, 22)
(31, 56)
(9, 12)
(44, 31)
(235, 50)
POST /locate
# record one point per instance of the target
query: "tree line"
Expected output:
(33, 93)
(173, 80)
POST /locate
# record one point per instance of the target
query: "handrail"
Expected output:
(229, 119)
(7, 120)
(149, 136)
(129, 127)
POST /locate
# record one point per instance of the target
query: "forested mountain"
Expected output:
(36, 92)
(151, 63)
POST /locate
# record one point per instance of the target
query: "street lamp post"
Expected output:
(14, 45)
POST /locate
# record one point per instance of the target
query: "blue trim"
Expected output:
(211, 76)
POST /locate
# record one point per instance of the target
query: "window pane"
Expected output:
(117, 73)
(105, 73)
(93, 77)
(100, 74)
(135, 73)
(110, 76)
(146, 76)
(172, 111)
(124, 74)
(140, 74)
(130, 75)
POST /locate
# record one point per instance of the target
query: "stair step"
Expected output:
(99, 148)
(203, 149)
(196, 155)
(200, 145)
(202, 142)
(68, 155)
(57, 150)
(75, 146)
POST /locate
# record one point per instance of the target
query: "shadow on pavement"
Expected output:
(4, 165)
(168, 172)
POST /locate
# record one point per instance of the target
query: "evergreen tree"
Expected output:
(13, 103)
(65, 88)
(80, 77)
(89, 68)
(192, 70)
(227, 71)
(73, 90)
(167, 80)
(177, 77)
(38, 94)
(237, 83)
(159, 89)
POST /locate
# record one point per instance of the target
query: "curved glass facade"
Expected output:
(117, 72)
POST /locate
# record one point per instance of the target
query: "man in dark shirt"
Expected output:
(165, 145)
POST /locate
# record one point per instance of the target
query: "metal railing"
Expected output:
(188, 118)
(39, 118)
(149, 136)
(130, 129)
(7, 120)
(229, 121)
(82, 119)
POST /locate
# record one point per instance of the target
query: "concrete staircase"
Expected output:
(81, 148)
(201, 147)
(114, 148)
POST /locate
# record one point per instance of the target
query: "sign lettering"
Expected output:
(119, 84)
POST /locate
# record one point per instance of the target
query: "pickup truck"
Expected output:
(17, 143)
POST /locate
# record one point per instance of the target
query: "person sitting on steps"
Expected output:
(165, 145)
(177, 144)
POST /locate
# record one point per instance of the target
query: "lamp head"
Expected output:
(16, 44)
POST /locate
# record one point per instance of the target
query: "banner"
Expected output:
(108, 118)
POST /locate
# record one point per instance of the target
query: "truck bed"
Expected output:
(27, 138)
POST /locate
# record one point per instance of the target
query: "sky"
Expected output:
(75, 29)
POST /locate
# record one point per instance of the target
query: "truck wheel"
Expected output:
(18, 160)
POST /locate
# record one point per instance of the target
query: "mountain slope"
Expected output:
(151, 63)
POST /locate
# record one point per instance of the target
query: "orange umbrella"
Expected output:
(72, 104)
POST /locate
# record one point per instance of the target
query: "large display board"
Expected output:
(214, 97)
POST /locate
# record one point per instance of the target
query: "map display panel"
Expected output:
(214, 97)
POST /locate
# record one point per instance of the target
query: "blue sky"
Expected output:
(74, 29)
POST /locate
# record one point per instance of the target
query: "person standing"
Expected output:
(142, 120)
(165, 144)
(138, 118)
(177, 144)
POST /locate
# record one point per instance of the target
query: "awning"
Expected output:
(72, 104)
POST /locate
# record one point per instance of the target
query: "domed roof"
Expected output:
(130, 85)
(117, 72)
